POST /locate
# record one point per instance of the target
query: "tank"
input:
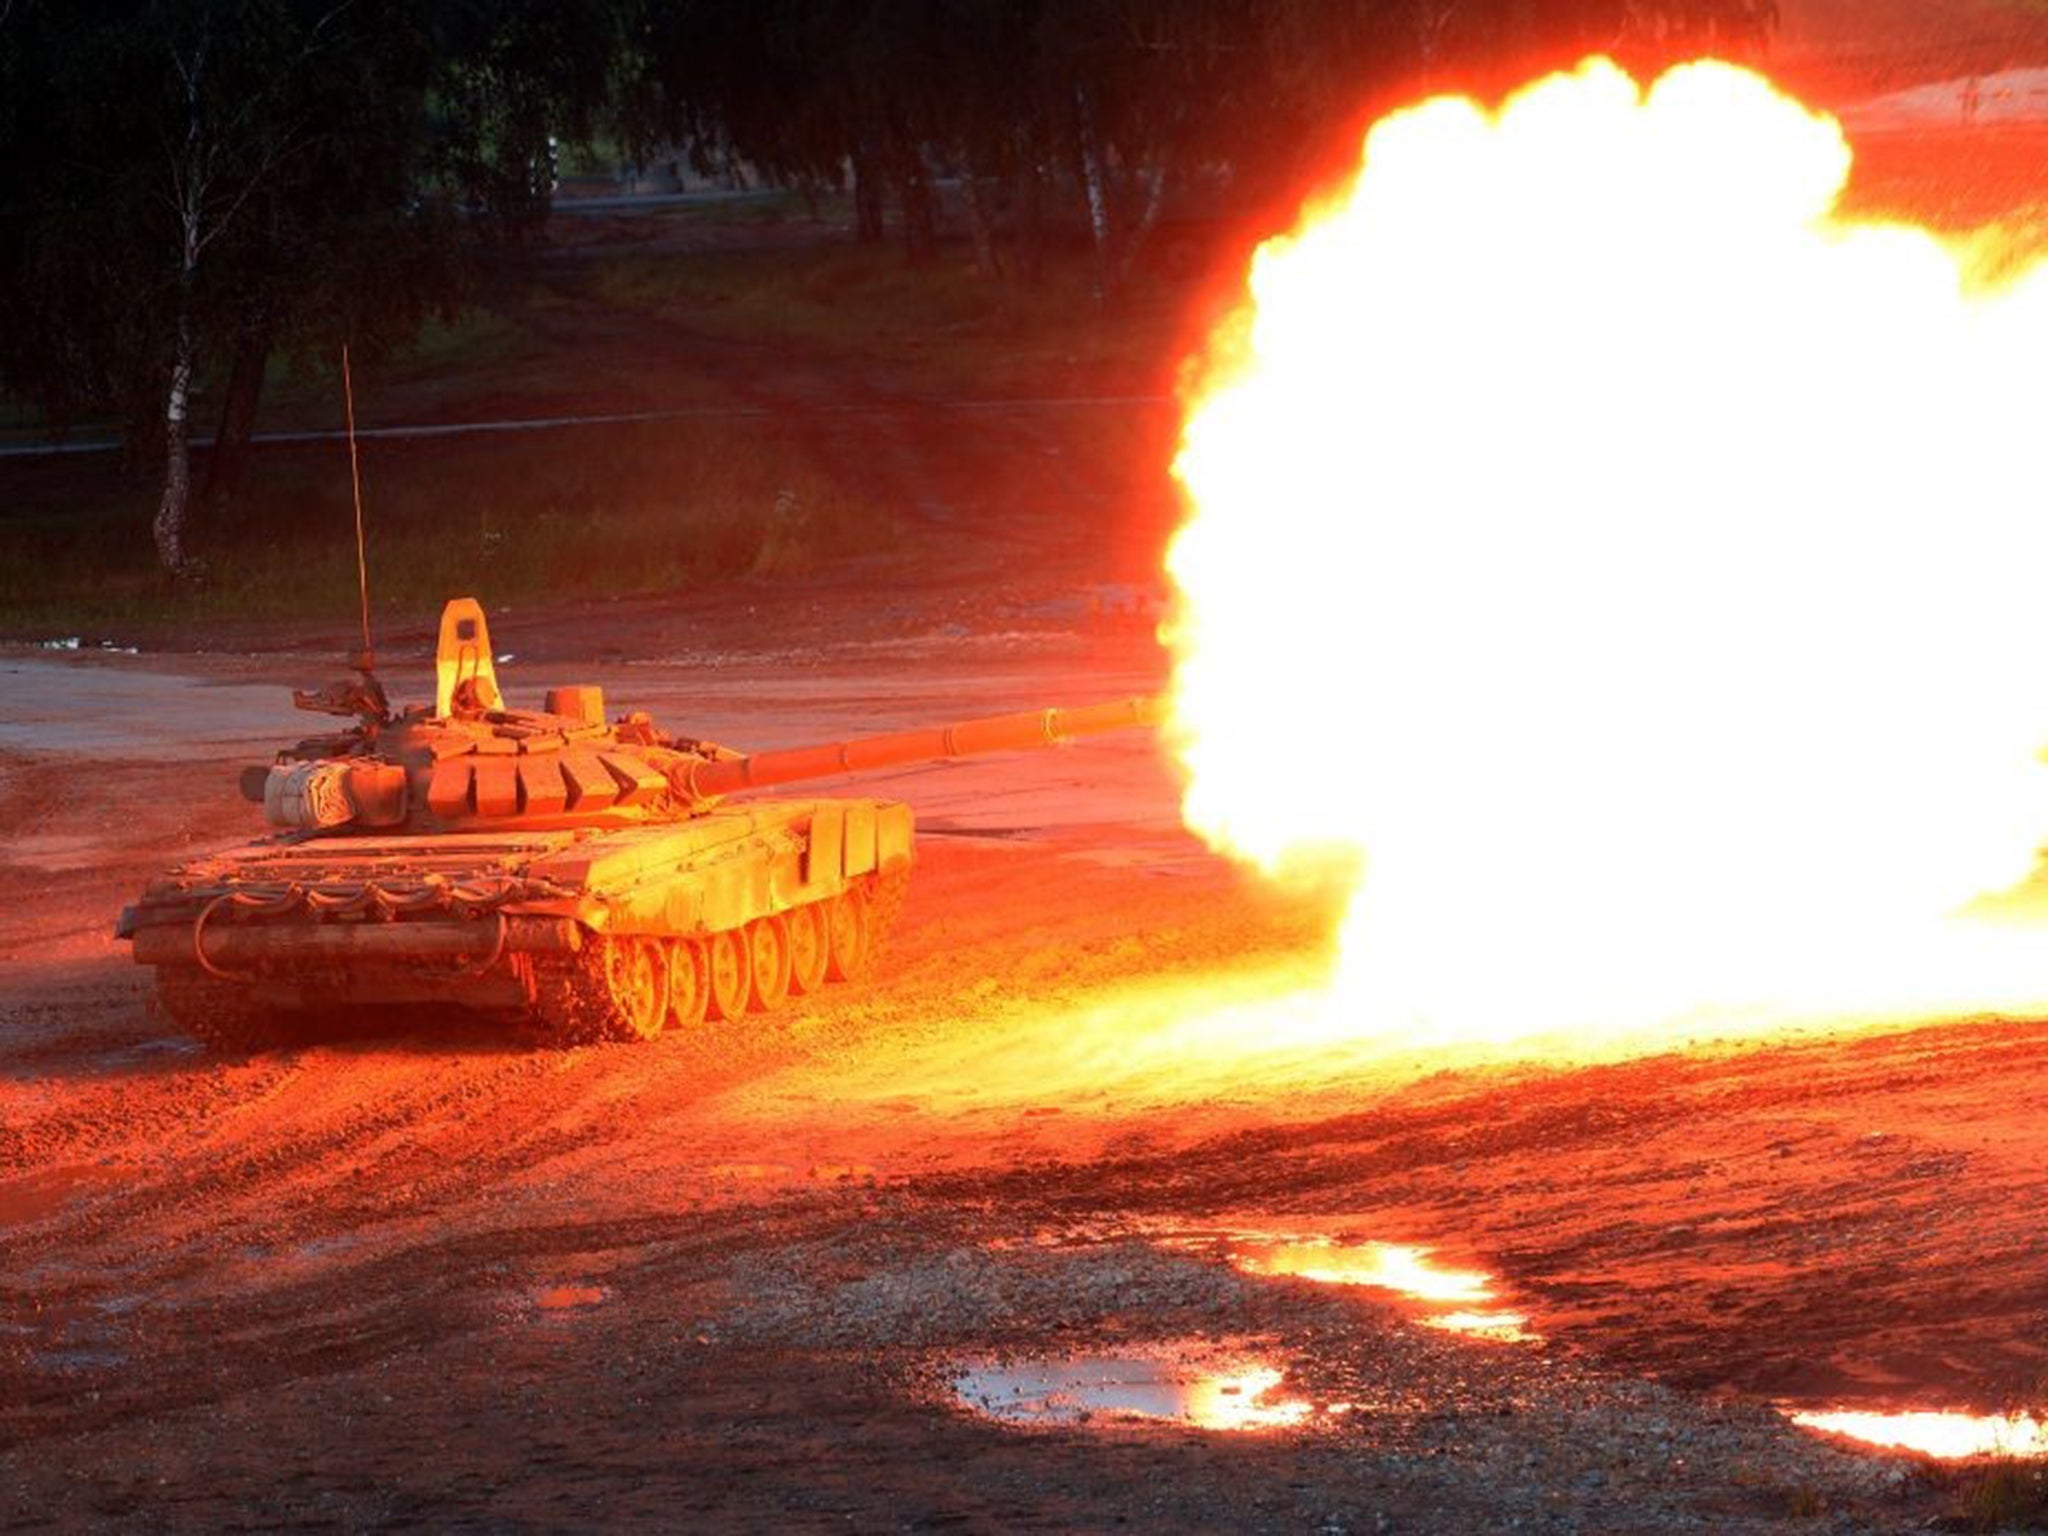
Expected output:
(589, 879)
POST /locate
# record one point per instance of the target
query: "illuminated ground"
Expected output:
(427, 1276)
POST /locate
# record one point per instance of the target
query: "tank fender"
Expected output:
(859, 847)
(895, 832)
(823, 850)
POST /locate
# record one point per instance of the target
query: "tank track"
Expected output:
(219, 1013)
(574, 1002)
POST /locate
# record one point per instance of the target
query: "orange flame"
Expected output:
(1629, 567)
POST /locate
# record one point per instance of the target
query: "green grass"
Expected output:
(472, 365)
(596, 510)
(944, 328)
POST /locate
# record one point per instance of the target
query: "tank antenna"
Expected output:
(355, 474)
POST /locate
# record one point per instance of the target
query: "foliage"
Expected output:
(2002, 1494)
(190, 185)
(1119, 100)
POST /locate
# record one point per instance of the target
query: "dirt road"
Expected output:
(420, 1275)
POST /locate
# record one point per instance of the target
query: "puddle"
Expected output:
(1947, 1435)
(752, 1173)
(1455, 1300)
(56, 851)
(74, 1335)
(790, 1173)
(1385, 1266)
(842, 1173)
(67, 1361)
(1502, 1327)
(49, 1190)
(1214, 1393)
(147, 1051)
(319, 1248)
(568, 1298)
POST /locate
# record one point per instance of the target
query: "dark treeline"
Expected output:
(189, 188)
(1103, 103)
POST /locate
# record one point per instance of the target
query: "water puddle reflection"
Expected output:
(568, 1298)
(47, 1191)
(1453, 1299)
(1211, 1393)
(1947, 1435)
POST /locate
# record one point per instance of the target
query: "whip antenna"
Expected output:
(355, 475)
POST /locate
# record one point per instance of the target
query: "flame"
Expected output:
(1625, 569)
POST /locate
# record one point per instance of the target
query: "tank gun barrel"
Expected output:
(968, 738)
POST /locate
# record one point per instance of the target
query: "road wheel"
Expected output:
(846, 934)
(226, 1017)
(807, 950)
(636, 975)
(731, 977)
(768, 957)
(614, 988)
(689, 984)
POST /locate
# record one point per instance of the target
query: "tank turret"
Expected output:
(588, 877)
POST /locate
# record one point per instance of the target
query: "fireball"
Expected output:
(1626, 569)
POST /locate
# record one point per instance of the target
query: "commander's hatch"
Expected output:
(464, 678)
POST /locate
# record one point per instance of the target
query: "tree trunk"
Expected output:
(920, 216)
(1141, 230)
(227, 465)
(980, 230)
(169, 527)
(1096, 187)
(867, 202)
(191, 173)
(1030, 210)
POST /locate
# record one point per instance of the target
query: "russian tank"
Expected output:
(587, 877)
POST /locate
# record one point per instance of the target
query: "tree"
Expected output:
(1110, 104)
(191, 185)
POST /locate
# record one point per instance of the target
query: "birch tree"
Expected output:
(190, 184)
(229, 130)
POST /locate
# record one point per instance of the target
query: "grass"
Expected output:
(596, 510)
(2007, 1495)
(942, 328)
(485, 362)
(2005, 1492)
